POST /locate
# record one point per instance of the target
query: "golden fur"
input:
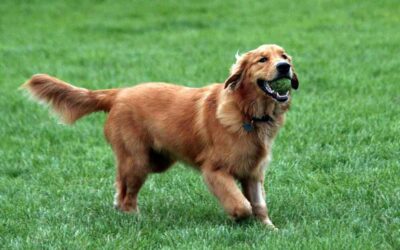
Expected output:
(152, 125)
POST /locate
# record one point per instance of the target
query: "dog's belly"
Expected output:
(185, 152)
(241, 159)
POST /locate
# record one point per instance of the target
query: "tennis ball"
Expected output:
(281, 86)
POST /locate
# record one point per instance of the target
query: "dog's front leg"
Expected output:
(255, 193)
(223, 186)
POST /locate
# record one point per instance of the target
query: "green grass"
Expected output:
(334, 182)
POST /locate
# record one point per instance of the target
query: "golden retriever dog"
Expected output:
(226, 130)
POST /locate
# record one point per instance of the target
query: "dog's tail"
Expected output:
(70, 102)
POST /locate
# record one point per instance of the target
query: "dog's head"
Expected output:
(261, 67)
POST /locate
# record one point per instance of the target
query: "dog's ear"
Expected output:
(237, 72)
(234, 79)
(295, 81)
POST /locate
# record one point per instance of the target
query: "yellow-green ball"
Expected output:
(281, 86)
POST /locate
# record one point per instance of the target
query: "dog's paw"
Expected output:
(269, 225)
(127, 209)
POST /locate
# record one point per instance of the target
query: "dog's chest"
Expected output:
(250, 156)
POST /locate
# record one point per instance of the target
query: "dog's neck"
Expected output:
(241, 114)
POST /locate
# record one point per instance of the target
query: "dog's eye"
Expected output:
(263, 59)
(284, 56)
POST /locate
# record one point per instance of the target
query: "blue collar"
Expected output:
(249, 126)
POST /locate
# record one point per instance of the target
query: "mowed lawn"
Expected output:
(334, 182)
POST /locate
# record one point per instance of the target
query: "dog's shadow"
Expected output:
(156, 215)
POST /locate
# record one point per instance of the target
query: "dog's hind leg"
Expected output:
(132, 172)
(131, 149)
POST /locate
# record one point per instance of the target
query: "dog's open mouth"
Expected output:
(277, 88)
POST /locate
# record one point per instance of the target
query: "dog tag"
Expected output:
(248, 127)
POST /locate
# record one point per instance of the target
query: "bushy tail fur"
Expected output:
(70, 102)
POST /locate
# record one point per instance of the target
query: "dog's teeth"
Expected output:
(283, 96)
(268, 88)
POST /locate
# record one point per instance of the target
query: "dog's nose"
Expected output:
(283, 67)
